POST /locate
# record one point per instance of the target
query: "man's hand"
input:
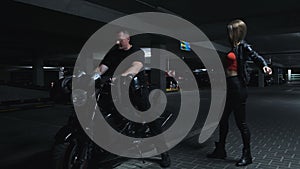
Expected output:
(125, 80)
(96, 76)
(113, 79)
(267, 70)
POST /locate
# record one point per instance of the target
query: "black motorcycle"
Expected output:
(74, 149)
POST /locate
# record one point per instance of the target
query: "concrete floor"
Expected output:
(273, 117)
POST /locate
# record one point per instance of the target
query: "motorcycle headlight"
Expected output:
(79, 97)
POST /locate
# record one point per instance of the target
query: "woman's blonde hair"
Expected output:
(237, 30)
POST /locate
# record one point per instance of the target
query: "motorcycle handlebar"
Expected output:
(100, 81)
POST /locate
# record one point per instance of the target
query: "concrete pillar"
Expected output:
(38, 71)
(158, 77)
(275, 71)
(5, 76)
(261, 79)
(284, 74)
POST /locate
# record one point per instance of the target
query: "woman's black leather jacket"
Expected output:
(244, 52)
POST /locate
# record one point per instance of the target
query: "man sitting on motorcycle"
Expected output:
(108, 66)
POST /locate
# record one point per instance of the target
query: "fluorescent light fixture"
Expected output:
(199, 70)
(47, 67)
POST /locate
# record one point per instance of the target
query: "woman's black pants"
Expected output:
(236, 103)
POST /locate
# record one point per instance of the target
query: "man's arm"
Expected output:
(101, 69)
(134, 69)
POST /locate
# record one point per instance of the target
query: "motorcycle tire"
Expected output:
(58, 155)
(64, 156)
(72, 156)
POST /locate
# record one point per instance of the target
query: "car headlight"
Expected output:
(79, 97)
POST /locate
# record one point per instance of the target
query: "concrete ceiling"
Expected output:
(56, 30)
(273, 26)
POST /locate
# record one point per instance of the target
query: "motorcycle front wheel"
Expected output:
(69, 156)
(58, 155)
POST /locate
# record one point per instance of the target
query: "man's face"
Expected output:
(122, 40)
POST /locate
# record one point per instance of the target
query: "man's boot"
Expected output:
(165, 160)
(219, 151)
(246, 158)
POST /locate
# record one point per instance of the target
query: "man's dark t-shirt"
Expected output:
(113, 59)
(115, 56)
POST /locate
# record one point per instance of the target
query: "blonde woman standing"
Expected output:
(237, 80)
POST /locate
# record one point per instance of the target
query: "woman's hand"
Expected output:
(267, 70)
